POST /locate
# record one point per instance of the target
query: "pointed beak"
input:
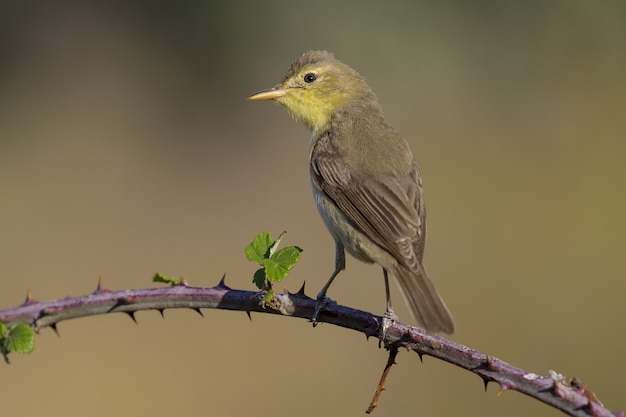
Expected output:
(271, 94)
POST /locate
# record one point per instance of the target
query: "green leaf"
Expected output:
(259, 278)
(165, 279)
(259, 249)
(21, 339)
(3, 330)
(281, 262)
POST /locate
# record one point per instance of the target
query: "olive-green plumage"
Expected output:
(365, 182)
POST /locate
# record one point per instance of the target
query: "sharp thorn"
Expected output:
(503, 387)
(485, 381)
(421, 355)
(99, 286)
(249, 315)
(162, 312)
(29, 298)
(197, 310)
(120, 302)
(222, 283)
(488, 363)
(53, 326)
(301, 290)
(131, 314)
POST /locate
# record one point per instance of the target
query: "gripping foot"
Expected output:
(388, 319)
(321, 304)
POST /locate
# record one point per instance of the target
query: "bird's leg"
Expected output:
(322, 300)
(389, 316)
(389, 310)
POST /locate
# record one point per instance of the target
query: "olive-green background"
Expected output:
(127, 147)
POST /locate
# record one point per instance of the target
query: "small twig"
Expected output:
(391, 360)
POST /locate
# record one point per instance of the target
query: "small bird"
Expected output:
(366, 183)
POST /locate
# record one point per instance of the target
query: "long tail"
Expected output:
(423, 299)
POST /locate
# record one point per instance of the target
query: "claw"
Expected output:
(320, 305)
(388, 319)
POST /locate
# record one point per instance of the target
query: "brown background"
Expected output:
(127, 147)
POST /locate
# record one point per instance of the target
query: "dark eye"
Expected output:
(310, 77)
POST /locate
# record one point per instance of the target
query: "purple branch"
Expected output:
(571, 396)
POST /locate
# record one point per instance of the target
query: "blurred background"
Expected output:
(127, 147)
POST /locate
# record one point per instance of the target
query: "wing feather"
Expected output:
(387, 209)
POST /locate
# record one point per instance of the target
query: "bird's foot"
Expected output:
(388, 319)
(320, 305)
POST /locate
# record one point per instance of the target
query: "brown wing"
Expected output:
(388, 210)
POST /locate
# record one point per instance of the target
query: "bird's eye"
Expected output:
(310, 77)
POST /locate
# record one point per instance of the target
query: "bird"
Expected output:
(366, 183)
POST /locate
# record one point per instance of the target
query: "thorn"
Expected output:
(300, 293)
(131, 314)
(488, 363)
(249, 315)
(29, 298)
(122, 301)
(222, 283)
(53, 326)
(485, 381)
(493, 364)
(591, 396)
(421, 355)
(197, 310)
(99, 286)
(162, 311)
(503, 387)
(405, 345)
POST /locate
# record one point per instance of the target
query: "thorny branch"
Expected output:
(571, 396)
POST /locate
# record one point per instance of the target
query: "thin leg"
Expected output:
(340, 265)
(389, 316)
(389, 310)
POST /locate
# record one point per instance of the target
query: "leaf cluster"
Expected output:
(19, 338)
(274, 263)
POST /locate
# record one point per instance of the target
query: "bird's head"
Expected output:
(315, 87)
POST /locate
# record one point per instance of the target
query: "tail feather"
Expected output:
(423, 300)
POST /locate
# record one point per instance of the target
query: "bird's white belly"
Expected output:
(342, 229)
